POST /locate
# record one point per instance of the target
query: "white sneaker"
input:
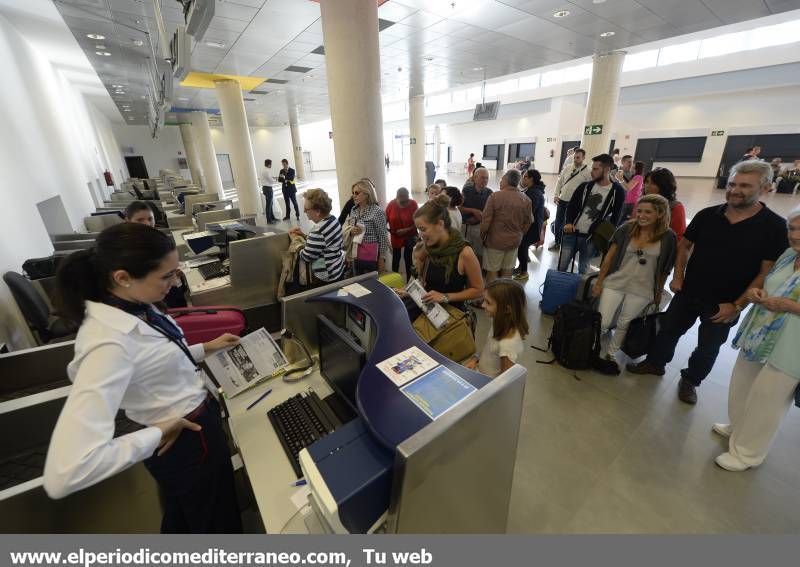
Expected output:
(722, 429)
(730, 463)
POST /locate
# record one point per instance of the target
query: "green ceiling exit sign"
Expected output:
(592, 129)
(718, 132)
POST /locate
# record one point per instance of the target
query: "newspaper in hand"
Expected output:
(256, 358)
(435, 313)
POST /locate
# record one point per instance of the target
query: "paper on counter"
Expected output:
(256, 358)
(300, 496)
(356, 290)
(407, 365)
(213, 283)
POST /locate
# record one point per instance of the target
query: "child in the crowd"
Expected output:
(504, 301)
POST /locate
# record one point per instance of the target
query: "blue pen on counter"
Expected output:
(301, 482)
(259, 398)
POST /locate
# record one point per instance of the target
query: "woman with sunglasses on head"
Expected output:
(637, 263)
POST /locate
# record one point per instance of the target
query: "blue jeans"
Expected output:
(573, 244)
(679, 317)
(558, 224)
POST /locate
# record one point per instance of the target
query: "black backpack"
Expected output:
(575, 340)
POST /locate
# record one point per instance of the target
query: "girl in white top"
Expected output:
(503, 301)
(130, 356)
(456, 200)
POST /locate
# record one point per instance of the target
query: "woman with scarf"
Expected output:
(767, 372)
(446, 265)
(131, 356)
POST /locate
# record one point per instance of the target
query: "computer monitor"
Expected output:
(340, 359)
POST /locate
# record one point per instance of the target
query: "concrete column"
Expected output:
(437, 141)
(416, 122)
(352, 58)
(297, 146)
(237, 133)
(206, 153)
(192, 155)
(602, 104)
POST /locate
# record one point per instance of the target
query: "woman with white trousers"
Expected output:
(767, 372)
(638, 261)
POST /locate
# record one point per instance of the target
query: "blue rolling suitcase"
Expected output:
(559, 288)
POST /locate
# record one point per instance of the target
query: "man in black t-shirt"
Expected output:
(732, 248)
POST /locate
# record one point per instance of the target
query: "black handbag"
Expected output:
(642, 333)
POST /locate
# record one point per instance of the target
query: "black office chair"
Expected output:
(43, 325)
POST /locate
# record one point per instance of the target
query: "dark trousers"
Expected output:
(364, 267)
(195, 477)
(681, 314)
(290, 196)
(267, 191)
(558, 224)
(406, 251)
(528, 240)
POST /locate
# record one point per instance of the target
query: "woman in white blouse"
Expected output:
(130, 356)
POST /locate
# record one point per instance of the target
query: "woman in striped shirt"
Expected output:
(367, 217)
(323, 250)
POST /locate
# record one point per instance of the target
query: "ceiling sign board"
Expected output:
(592, 129)
(206, 80)
(718, 132)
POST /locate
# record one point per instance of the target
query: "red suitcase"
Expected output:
(205, 323)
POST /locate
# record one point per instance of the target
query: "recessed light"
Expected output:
(138, 42)
(218, 44)
(598, 1)
(103, 53)
(561, 14)
(99, 46)
(95, 36)
(607, 34)
(118, 86)
(183, 98)
(477, 68)
(126, 110)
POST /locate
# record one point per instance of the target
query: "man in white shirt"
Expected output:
(266, 187)
(572, 176)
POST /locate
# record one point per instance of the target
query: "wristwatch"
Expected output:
(445, 298)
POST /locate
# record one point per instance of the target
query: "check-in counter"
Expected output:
(451, 473)
(32, 393)
(255, 269)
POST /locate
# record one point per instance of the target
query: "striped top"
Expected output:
(324, 250)
(374, 220)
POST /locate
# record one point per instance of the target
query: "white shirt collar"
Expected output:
(117, 318)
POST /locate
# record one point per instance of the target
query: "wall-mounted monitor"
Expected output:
(486, 110)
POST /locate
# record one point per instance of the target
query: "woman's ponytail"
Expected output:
(77, 280)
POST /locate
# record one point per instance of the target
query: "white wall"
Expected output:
(49, 147)
(159, 153)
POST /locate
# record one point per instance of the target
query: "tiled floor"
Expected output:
(623, 454)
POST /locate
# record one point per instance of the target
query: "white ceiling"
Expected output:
(456, 42)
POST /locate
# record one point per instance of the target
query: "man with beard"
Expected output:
(726, 250)
(598, 200)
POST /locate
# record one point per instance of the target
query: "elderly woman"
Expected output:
(323, 250)
(767, 372)
(446, 265)
(366, 229)
(638, 261)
